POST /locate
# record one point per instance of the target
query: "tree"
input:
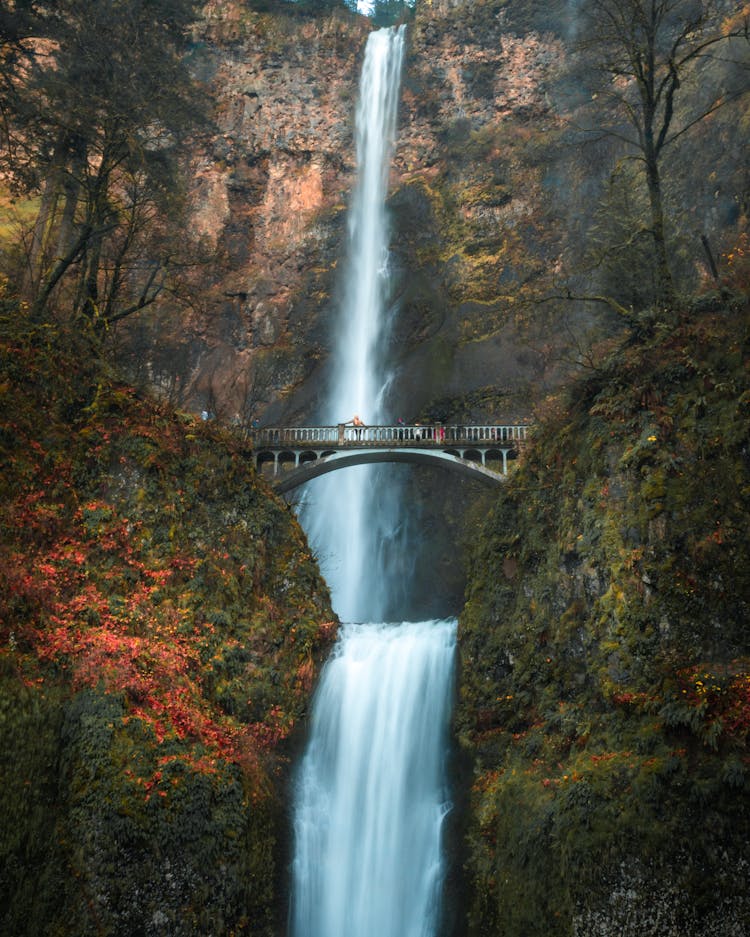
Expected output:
(97, 103)
(388, 12)
(649, 52)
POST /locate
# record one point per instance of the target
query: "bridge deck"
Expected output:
(300, 453)
(430, 436)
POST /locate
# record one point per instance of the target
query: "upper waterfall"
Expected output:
(353, 520)
(360, 375)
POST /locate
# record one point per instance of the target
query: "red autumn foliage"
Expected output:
(89, 595)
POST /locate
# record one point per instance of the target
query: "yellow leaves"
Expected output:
(734, 24)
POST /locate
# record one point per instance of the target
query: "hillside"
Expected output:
(161, 624)
(605, 697)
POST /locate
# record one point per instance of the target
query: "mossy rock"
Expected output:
(606, 665)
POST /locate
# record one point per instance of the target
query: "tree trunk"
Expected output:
(40, 238)
(90, 291)
(665, 294)
(61, 266)
(71, 187)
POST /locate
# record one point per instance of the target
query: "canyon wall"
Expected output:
(498, 199)
(270, 192)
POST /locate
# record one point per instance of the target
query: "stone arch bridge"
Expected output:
(295, 455)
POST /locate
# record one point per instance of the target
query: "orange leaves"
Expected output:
(737, 261)
(306, 675)
(145, 565)
(275, 727)
(94, 604)
(736, 713)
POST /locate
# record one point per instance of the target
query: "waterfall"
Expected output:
(371, 792)
(353, 518)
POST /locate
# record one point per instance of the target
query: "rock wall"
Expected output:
(270, 195)
(497, 198)
(605, 669)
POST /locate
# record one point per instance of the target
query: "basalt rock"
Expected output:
(496, 197)
(270, 194)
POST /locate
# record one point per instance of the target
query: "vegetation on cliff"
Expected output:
(161, 621)
(606, 665)
(91, 141)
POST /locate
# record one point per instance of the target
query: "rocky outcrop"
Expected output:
(161, 626)
(605, 689)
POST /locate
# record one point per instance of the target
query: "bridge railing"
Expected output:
(434, 434)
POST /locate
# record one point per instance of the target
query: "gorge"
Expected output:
(536, 697)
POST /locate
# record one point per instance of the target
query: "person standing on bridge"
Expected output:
(358, 426)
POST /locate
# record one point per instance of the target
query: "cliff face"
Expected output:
(498, 197)
(605, 677)
(270, 197)
(268, 193)
(161, 624)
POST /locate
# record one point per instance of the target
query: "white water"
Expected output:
(353, 518)
(371, 792)
(372, 786)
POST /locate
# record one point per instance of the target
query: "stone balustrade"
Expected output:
(430, 435)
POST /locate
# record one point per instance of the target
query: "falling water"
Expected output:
(372, 787)
(353, 518)
(371, 790)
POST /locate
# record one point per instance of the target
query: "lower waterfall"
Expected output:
(372, 792)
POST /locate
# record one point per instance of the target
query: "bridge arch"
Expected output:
(264, 458)
(334, 461)
(287, 457)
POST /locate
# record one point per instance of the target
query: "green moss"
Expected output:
(604, 691)
(161, 623)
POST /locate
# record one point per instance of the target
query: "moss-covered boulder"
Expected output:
(605, 689)
(161, 624)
